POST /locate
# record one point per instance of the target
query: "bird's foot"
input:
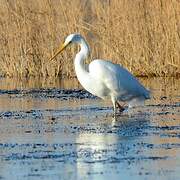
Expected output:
(121, 108)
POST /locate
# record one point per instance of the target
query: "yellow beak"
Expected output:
(58, 51)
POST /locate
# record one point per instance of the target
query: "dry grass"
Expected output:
(142, 35)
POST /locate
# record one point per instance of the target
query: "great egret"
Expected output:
(103, 78)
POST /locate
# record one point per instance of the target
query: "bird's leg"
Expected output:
(114, 106)
(121, 108)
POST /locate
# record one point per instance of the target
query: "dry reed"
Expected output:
(142, 35)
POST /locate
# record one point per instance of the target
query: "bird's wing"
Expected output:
(105, 72)
(116, 78)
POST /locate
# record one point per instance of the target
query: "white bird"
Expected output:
(103, 78)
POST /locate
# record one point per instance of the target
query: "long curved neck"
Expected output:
(79, 61)
(82, 70)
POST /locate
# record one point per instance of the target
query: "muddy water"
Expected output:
(49, 133)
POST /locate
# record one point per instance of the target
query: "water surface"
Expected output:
(50, 130)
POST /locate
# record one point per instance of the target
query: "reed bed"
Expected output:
(141, 35)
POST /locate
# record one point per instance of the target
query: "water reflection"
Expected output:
(164, 86)
(29, 83)
(78, 139)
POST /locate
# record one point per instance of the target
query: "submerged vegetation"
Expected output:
(143, 36)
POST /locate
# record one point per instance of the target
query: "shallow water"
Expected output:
(49, 133)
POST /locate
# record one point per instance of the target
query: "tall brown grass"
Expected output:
(142, 35)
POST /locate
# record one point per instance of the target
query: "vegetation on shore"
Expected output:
(143, 36)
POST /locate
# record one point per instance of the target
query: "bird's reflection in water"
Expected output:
(106, 148)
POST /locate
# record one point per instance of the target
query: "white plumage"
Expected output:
(105, 79)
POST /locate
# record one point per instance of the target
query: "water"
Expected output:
(48, 133)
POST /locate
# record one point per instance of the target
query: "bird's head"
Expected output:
(72, 38)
